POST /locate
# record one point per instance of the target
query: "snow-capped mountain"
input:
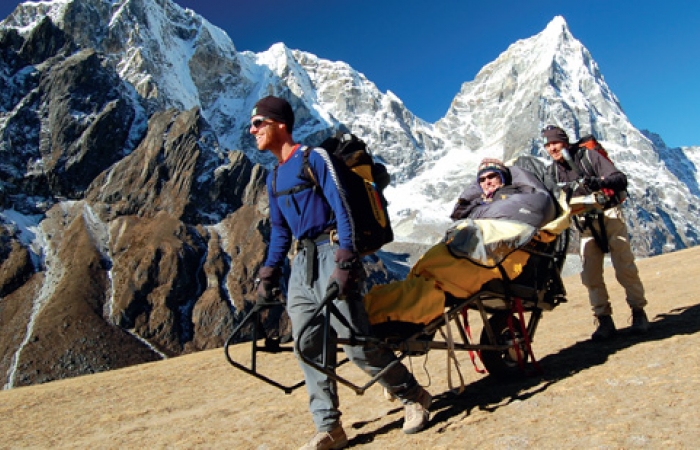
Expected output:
(551, 78)
(131, 194)
(178, 59)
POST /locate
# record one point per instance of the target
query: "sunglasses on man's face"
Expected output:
(488, 176)
(257, 122)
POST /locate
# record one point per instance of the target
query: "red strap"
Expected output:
(467, 330)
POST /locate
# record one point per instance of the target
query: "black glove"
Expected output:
(462, 209)
(268, 284)
(346, 273)
(593, 183)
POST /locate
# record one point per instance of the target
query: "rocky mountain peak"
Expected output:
(133, 212)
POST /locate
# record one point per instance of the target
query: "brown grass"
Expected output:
(633, 392)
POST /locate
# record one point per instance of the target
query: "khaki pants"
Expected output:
(623, 263)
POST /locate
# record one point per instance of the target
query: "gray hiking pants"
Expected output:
(302, 299)
(623, 263)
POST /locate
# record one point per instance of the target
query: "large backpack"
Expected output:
(591, 143)
(364, 181)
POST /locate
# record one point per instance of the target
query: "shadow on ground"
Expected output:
(489, 394)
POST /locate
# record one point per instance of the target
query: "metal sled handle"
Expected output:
(354, 339)
(254, 315)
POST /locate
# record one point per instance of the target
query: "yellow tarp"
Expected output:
(460, 265)
(420, 298)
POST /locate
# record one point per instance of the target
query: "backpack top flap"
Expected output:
(590, 143)
(348, 147)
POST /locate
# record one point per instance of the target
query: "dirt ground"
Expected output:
(633, 392)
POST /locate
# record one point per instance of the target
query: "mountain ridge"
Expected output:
(131, 191)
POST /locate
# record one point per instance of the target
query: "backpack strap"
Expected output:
(305, 174)
(586, 162)
(601, 239)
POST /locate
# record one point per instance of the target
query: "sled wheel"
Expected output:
(503, 364)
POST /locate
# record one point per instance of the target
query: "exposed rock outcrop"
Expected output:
(154, 258)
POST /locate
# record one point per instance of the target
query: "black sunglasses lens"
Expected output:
(489, 176)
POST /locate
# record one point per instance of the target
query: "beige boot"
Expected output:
(417, 413)
(326, 440)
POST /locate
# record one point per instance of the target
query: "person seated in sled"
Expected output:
(496, 215)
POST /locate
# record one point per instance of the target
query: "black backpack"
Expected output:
(364, 182)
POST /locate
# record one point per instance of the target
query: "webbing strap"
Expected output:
(306, 174)
(310, 250)
(600, 238)
(309, 246)
(451, 355)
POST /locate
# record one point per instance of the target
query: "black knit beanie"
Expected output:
(275, 108)
(554, 134)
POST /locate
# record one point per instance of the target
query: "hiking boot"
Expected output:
(640, 322)
(606, 329)
(417, 413)
(325, 440)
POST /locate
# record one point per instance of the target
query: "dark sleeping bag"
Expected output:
(525, 200)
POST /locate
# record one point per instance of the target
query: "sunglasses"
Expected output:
(488, 176)
(257, 122)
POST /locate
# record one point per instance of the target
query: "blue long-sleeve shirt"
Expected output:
(306, 214)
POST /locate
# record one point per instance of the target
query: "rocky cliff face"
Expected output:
(132, 205)
(125, 237)
(135, 271)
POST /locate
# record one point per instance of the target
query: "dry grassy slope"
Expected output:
(631, 393)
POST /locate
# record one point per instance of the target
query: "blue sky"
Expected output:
(647, 50)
